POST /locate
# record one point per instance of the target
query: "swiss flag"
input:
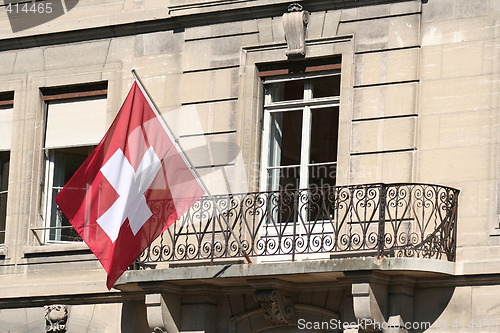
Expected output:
(132, 187)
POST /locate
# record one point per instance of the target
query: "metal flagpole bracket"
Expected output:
(188, 161)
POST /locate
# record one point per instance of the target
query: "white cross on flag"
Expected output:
(132, 187)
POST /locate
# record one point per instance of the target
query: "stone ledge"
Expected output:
(202, 7)
(40, 301)
(55, 253)
(55, 248)
(326, 270)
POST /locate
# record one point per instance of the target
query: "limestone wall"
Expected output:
(419, 103)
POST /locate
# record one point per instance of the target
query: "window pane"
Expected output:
(287, 90)
(283, 179)
(59, 220)
(4, 178)
(324, 135)
(326, 86)
(3, 215)
(322, 175)
(286, 137)
(6, 115)
(321, 205)
(66, 162)
(284, 208)
(4, 170)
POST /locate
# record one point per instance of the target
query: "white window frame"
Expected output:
(4, 192)
(307, 104)
(7, 103)
(49, 192)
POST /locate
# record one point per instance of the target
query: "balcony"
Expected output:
(377, 220)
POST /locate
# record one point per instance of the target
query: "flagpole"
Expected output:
(188, 161)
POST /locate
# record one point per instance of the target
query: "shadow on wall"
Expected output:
(26, 15)
(429, 305)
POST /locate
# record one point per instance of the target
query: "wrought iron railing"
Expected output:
(396, 220)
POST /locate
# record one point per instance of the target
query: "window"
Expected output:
(301, 131)
(6, 114)
(62, 163)
(4, 176)
(300, 138)
(75, 122)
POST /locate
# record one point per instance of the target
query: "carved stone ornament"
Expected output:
(278, 309)
(158, 330)
(56, 317)
(295, 26)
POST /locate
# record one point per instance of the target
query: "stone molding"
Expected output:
(370, 297)
(161, 301)
(158, 314)
(180, 17)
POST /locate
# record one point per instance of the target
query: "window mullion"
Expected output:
(49, 169)
(306, 137)
(308, 91)
(268, 98)
(266, 133)
(304, 154)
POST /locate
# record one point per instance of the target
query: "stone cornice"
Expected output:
(180, 17)
(97, 298)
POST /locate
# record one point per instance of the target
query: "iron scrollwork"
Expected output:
(398, 220)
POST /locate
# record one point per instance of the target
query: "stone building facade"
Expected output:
(385, 114)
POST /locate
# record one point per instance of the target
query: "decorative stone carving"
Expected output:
(158, 330)
(278, 309)
(56, 317)
(295, 26)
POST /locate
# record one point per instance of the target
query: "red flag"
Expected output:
(131, 188)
